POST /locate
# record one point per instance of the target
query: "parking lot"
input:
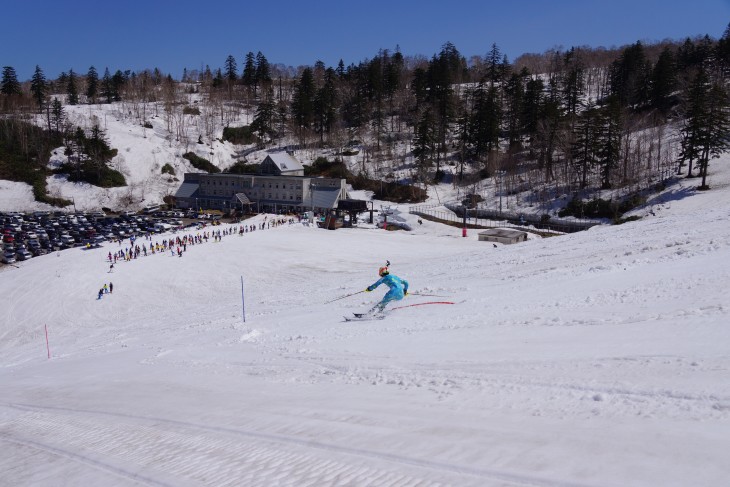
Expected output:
(28, 235)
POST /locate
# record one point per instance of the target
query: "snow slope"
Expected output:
(592, 359)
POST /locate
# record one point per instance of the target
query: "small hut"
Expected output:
(502, 235)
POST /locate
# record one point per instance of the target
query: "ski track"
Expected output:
(516, 386)
(162, 452)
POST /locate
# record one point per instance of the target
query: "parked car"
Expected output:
(67, 240)
(38, 251)
(8, 258)
(162, 227)
(23, 254)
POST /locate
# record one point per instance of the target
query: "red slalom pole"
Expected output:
(422, 304)
(47, 346)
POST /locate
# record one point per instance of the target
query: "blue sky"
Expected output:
(174, 34)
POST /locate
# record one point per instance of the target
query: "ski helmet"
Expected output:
(383, 271)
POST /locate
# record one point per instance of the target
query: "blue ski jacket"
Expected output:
(398, 287)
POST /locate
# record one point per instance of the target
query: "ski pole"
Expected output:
(431, 295)
(343, 297)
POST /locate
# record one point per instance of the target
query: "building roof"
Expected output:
(324, 197)
(187, 190)
(285, 162)
(243, 198)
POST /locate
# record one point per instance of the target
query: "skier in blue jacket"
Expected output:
(398, 288)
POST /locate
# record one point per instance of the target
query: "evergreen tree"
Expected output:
(61, 83)
(72, 90)
(92, 85)
(549, 126)
(424, 140)
(573, 83)
(693, 128)
(107, 90)
(39, 87)
(584, 150)
(303, 99)
(355, 104)
(9, 85)
(485, 121)
(515, 100)
(325, 105)
(444, 71)
(374, 90)
(534, 95)
(663, 81)
(263, 120)
(207, 75)
(609, 140)
(722, 53)
(392, 80)
(218, 79)
(230, 70)
(494, 71)
(706, 131)
(118, 81)
(249, 71)
(716, 133)
(57, 115)
(630, 76)
(419, 88)
(340, 69)
(156, 77)
(263, 71)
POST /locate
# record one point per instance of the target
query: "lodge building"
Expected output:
(278, 186)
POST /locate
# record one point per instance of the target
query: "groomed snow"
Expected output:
(593, 359)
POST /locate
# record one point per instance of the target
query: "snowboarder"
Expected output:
(398, 288)
(101, 293)
(111, 268)
(111, 287)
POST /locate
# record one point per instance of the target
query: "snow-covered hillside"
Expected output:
(142, 152)
(593, 359)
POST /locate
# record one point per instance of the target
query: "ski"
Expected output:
(363, 317)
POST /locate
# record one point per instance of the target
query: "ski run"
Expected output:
(598, 358)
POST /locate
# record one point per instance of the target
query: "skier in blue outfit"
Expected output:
(398, 288)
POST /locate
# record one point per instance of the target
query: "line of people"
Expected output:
(178, 245)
